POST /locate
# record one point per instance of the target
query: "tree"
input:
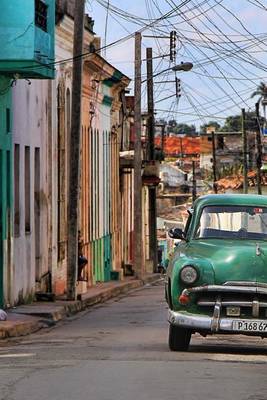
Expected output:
(172, 123)
(203, 128)
(171, 126)
(180, 129)
(233, 123)
(185, 129)
(261, 91)
(251, 121)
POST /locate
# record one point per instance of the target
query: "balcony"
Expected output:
(27, 32)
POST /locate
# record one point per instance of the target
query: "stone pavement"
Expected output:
(29, 318)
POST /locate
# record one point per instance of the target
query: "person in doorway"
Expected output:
(82, 261)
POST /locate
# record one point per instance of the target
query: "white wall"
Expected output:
(30, 128)
(171, 175)
(35, 125)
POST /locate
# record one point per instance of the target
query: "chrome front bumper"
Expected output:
(197, 323)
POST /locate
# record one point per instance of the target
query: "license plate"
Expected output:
(250, 326)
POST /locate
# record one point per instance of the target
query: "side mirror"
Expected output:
(176, 233)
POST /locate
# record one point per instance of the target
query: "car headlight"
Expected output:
(189, 275)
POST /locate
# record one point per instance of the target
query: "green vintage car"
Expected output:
(216, 281)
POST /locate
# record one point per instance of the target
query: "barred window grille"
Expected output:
(41, 15)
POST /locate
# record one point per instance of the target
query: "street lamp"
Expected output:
(184, 66)
(187, 66)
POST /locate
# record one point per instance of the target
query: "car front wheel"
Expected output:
(179, 338)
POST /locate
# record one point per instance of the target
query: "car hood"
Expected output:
(230, 260)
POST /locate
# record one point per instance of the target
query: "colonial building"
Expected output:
(33, 227)
(102, 121)
(27, 52)
(102, 127)
(59, 147)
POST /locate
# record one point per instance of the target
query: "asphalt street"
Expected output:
(118, 350)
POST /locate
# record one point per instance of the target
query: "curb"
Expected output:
(29, 319)
(88, 300)
(9, 329)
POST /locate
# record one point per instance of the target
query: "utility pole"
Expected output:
(162, 138)
(150, 104)
(138, 242)
(153, 242)
(259, 148)
(245, 152)
(194, 182)
(74, 167)
(214, 166)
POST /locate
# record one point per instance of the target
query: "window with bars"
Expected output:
(8, 121)
(17, 190)
(27, 188)
(41, 15)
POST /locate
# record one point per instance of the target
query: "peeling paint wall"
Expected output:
(30, 127)
(61, 120)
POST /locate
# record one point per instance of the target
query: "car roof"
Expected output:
(231, 199)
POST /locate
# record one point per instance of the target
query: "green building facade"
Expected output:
(27, 30)
(5, 179)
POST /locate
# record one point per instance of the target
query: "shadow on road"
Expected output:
(228, 345)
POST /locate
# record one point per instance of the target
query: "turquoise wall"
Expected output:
(107, 257)
(17, 30)
(101, 259)
(5, 172)
(24, 46)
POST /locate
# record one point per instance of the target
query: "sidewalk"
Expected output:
(26, 319)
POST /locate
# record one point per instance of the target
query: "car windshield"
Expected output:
(232, 222)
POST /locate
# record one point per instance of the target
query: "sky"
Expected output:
(226, 40)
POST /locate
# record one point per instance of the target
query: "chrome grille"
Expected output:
(252, 299)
